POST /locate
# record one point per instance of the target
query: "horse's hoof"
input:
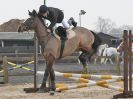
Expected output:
(43, 90)
(51, 93)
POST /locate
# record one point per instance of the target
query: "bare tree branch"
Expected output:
(104, 25)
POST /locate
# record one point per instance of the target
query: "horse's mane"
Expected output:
(42, 21)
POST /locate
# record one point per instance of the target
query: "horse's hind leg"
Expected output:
(90, 54)
(83, 59)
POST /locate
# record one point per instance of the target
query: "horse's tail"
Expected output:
(97, 42)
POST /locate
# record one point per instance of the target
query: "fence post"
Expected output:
(5, 72)
(35, 60)
(117, 59)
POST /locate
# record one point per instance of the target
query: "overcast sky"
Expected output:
(119, 11)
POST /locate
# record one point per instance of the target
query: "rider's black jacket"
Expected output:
(55, 15)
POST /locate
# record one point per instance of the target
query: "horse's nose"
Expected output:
(26, 27)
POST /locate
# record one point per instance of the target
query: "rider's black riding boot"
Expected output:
(73, 22)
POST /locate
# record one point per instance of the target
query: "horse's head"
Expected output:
(120, 47)
(30, 23)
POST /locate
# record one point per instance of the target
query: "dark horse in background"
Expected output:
(85, 41)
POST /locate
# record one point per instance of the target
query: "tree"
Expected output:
(104, 25)
(126, 27)
(115, 30)
(121, 28)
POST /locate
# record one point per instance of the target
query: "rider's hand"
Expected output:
(48, 30)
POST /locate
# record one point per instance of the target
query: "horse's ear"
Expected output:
(34, 12)
(29, 13)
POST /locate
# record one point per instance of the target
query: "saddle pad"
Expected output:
(70, 34)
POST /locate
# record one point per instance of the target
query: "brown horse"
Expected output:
(85, 41)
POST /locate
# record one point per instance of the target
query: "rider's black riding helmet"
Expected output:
(43, 9)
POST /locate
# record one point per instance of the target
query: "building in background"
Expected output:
(112, 41)
(14, 42)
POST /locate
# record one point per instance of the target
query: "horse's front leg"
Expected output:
(49, 70)
(102, 60)
(43, 85)
(110, 60)
(105, 61)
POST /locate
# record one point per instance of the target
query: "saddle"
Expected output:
(63, 35)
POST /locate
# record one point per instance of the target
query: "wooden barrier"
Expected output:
(127, 67)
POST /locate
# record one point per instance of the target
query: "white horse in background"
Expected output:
(110, 51)
(100, 52)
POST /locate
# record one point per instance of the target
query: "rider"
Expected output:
(54, 15)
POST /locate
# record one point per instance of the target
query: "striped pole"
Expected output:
(102, 85)
(21, 66)
(91, 84)
(18, 66)
(82, 80)
(13, 64)
(86, 76)
(109, 86)
(60, 86)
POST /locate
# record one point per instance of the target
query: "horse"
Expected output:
(100, 51)
(110, 51)
(84, 40)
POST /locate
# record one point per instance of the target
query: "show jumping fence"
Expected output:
(4, 72)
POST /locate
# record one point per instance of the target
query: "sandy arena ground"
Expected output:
(93, 92)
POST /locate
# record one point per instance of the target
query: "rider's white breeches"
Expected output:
(64, 23)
